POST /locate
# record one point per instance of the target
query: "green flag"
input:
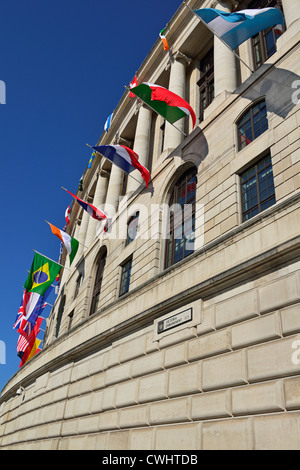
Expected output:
(42, 273)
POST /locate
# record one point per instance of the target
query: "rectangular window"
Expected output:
(125, 277)
(206, 82)
(258, 192)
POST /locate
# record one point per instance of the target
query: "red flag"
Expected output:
(132, 85)
(26, 343)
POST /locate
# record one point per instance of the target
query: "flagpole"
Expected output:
(51, 260)
(116, 165)
(70, 235)
(179, 130)
(225, 44)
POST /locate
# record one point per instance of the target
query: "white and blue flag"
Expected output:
(108, 122)
(235, 28)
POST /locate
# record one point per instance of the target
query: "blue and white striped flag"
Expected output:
(108, 122)
(236, 28)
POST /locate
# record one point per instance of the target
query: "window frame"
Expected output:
(204, 83)
(101, 262)
(241, 144)
(258, 194)
(170, 245)
(131, 219)
(123, 272)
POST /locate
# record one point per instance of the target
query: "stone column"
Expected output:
(82, 234)
(224, 60)
(291, 11)
(141, 145)
(98, 201)
(173, 137)
(114, 189)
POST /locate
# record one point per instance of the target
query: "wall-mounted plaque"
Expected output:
(175, 320)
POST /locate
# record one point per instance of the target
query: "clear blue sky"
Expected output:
(65, 64)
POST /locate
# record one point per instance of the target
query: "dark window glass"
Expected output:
(258, 191)
(206, 82)
(98, 282)
(252, 124)
(181, 236)
(125, 277)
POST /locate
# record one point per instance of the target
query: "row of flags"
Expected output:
(233, 29)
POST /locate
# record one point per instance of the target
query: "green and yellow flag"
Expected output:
(42, 273)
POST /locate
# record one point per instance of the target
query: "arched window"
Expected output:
(98, 281)
(181, 233)
(252, 124)
(132, 227)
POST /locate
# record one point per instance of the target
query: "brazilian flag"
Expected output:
(42, 273)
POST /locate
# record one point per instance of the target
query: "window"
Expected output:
(125, 277)
(163, 133)
(264, 42)
(252, 124)
(78, 284)
(180, 239)
(98, 281)
(132, 228)
(70, 317)
(258, 191)
(206, 82)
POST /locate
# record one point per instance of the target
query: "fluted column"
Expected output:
(141, 145)
(224, 60)
(113, 191)
(82, 233)
(98, 201)
(173, 137)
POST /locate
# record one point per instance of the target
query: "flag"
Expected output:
(70, 243)
(132, 85)
(166, 103)
(29, 347)
(25, 338)
(278, 30)
(80, 187)
(92, 210)
(235, 28)
(67, 214)
(32, 306)
(164, 40)
(34, 350)
(42, 273)
(108, 122)
(124, 158)
(91, 160)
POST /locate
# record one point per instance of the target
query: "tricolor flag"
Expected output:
(70, 243)
(32, 306)
(67, 214)
(166, 103)
(235, 28)
(92, 210)
(132, 85)
(164, 39)
(108, 122)
(124, 158)
(41, 275)
(24, 339)
(29, 347)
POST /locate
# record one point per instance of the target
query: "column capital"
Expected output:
(230, 4)
(182, 57)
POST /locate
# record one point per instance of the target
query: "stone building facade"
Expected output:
(161, 342)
